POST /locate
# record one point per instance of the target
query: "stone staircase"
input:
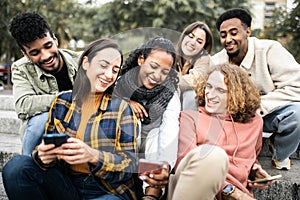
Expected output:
(10, 141)
(287, 188)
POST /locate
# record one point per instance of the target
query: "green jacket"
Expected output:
(34, 89)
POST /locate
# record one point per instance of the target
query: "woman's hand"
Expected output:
(76, 151)
(259, 173)
(46, 152)
(138, 110)
(157, 178)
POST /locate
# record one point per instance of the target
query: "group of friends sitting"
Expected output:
(198, 118)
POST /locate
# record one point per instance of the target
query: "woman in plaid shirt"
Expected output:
(99, 158)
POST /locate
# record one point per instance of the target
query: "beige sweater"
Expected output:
(273, 69)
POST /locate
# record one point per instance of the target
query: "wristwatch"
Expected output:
(228, 190)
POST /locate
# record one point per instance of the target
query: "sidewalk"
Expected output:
(10, 145)
(2, 192)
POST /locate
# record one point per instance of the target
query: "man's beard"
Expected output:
(234, 54)
(56, 67)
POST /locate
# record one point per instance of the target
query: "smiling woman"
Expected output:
(103, 69)
(193, 49)
(155, 69)
(193, 59)
(149, 82)
(100, 155)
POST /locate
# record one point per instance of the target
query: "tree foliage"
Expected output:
(57, 13)
(291, 26)
(123, 15)
(285, 27)
(69, 19)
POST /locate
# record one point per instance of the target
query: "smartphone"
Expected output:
(266, 179)
(56, 138)
(147, 166)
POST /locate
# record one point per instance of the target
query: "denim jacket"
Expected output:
(35, 89)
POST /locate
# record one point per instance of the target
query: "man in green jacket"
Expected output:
(37, 77)
(275, 72)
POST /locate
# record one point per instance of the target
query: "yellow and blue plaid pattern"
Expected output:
(112, 130)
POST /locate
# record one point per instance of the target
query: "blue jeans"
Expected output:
(90, 189)
(23, 179)
(284, 123)
(34, 132)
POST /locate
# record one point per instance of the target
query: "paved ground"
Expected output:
(2, 192)
(8, 143)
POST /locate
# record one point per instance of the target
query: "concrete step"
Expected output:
(9, 122)
(287, 188)
(10, 145)
(7, 102)
(2, 191)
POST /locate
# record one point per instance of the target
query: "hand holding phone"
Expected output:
(147, 166)
(56, 138)
(263, 180)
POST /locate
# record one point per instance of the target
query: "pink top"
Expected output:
(241, 141)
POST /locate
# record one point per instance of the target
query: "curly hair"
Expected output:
(157, 43)
(206, 49)
(239, 13)
(27, 27)
(243, 96)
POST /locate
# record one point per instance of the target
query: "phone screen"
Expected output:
(146, 166)
(266, 179)
(56, 138)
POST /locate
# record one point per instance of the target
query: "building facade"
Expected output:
(262, 11)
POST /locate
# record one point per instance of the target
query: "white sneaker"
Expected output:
(285, 164)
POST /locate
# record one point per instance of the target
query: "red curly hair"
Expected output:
(242, 94)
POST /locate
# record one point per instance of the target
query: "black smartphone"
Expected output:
(56, 138)
(147, 166)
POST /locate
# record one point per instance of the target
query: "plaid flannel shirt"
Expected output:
(112, 130)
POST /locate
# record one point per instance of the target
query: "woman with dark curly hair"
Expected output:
(149, 82)
(219, 143)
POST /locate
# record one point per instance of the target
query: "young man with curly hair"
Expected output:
(275, 72)
(220, 142)
(37, 77)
